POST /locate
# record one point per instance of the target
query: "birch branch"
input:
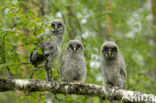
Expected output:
(76, 88)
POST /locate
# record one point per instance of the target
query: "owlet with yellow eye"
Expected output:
(113, 65)
(73, 66)
(50, 44)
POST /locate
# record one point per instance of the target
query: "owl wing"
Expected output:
(62, 67)
(123, 72)
(36, 58)
(43, 37)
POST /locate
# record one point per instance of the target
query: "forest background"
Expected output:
(130, 23)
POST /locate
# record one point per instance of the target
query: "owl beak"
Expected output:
(109, 53)
(55, 26)
(74, 49)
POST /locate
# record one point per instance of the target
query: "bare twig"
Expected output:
(4, 56)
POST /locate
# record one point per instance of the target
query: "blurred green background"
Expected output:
(130, 23)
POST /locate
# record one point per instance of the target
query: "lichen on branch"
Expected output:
(76, 88)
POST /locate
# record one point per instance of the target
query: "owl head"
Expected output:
(75, 46)
(57, 26)
(109, 50)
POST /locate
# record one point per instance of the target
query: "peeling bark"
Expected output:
(76, 88)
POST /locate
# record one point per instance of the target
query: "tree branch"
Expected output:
(76, 88)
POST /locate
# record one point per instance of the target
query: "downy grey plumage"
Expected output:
(112, 65)
(73, 66)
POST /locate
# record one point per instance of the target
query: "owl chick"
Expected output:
(73, 66)
(113, 65)
(50, 44)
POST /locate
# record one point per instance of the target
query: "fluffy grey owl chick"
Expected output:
(113, 65)
(73, 66)
(50, 43)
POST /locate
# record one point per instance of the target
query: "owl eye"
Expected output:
(78, 47)
(71, 46)
(53, 25)
(59, 25)
(105, 49)
(114, 49)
